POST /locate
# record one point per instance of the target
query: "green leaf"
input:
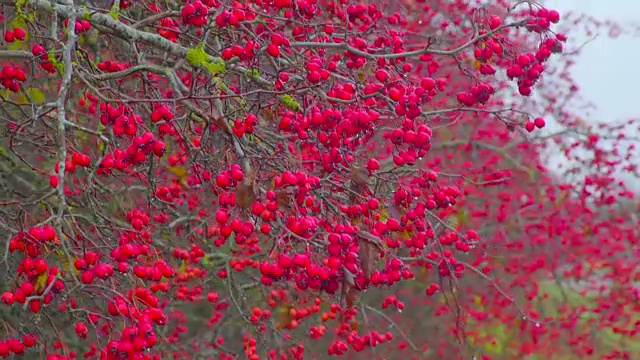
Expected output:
(290, 102)
(253, 73)
(197, 57)
(17, 45)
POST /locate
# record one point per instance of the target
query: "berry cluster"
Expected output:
(277, 41)
(41, 55)
(161, 113)
(17, 34)
(536, 123)
(527, 68)
(12, 77)
(245, 126)
(112, 66)
(316, 72)
(195, 14)
(478, 94)
(542, 19)
(244, 53)
(17, 346)
(41, 281)
(81, 26)
(239, 13)
(168, 29)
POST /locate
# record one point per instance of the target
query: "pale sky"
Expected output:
(608, 70)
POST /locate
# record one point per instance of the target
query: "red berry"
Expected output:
(222, 216)
(529, 126)
(19, 34)
(53, 181)
(273, 50)
(373, 204)
(553, 16)
(7, 298)
(373, 165)
(285, 261)
(9, 37)
(81, 330)
(87, 276)
(382, 75)
(428, 83)
(494, 22)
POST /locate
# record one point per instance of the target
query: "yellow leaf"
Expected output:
(67, 264)
(19, 22)
(384, 215)
(181, 173)
(41, 282)
(462, 217)
(406, 235)
(283, 316)
(36, 95)
(17, 45)
(178, 171)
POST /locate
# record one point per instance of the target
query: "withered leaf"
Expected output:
(367, 257)
(245, 194)
(283, 316)
(370, 246)
(348, 294)
(370, 238)
(359, 176)
(284, 198)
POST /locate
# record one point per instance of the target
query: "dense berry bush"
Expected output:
(297, 179)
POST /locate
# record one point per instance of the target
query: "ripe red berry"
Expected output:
(273, 50)
(373, 204)
(373, 165)
(382, 75)
(7, 298)
(285, 261)
(553, 16)
(529, 126)
(237, 174)
(37, 50)
(9, 37)
(87, 276)
(81, 330)
(494, 22)
(222, 216)
(19, 34)
(53, 181)
(223, 180)
(428, 83)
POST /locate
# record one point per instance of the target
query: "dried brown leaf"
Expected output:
(368, 254)
(370, 238)
(348, 294)
(283, 198)
(245, 194)
(359, 176)
(370, 245)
